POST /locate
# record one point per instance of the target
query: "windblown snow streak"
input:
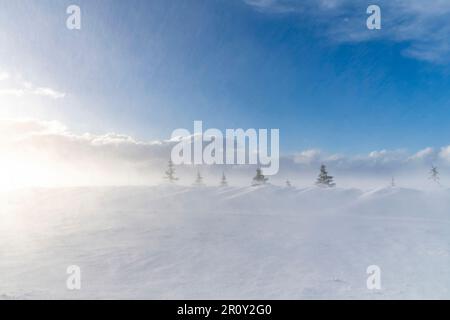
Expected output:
(170, 241)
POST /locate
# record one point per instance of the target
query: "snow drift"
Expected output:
(267, 242)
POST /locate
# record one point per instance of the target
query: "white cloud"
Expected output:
(48, 92)
(385, 156)
(445, 154)
(114, 158)
(46, 153)
(16, 87)
(377, 162)
(308, 157)
(42, 92)
(427, 154)
(13, 129)
(423, 28)
(53, 139)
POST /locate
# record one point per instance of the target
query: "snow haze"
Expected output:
(267, 242)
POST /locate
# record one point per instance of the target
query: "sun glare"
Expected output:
(17, 173)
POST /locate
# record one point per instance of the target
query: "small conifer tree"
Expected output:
(223, 182)
(259, 178)
(324, 180)
(170, 172)
(199, 180)
(434, 175)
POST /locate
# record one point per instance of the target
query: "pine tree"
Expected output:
(393, 182)
(434, 175)
(199, 180)
(324, 180)
(259, 178)
(223, 182)
(288, 184)
(170, 172)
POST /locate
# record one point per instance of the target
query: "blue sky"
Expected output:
(309, 68)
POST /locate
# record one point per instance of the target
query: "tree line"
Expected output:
(324, 180)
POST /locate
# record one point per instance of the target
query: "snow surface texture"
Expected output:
(267, 242)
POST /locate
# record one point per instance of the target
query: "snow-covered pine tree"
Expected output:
(199, 180)
(170, 172)
(288, 184)
(259, 178)
(324, 180)
(223, 182)
(434, 175)
(393, 182)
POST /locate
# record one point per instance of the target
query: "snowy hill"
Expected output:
(250, 242)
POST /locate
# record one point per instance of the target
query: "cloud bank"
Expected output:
(46, 153)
